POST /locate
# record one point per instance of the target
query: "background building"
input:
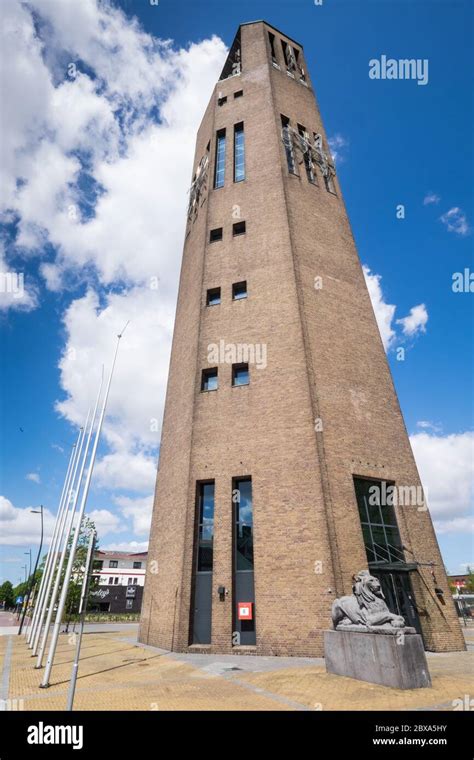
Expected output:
(281, 417)
(121, 580)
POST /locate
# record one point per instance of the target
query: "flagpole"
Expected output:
(64, 590)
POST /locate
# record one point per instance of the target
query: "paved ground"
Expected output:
(118, 674)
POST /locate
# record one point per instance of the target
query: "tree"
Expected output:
(7, 596)
(78, 568)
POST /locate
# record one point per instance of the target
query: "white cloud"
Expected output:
(431, 198)
(455, 221)
(126, 546)
(384, 312)
(105, 521)
(337, 145)
(21, 527)
(446, 468)
(416, 320)
(139, 510)
(34, 477)
(456, 525)
(427, 425)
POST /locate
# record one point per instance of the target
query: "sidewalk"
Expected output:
(116, 673)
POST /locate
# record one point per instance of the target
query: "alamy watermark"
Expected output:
(12, 282)
(403, 68)
(391, 495)
(237, 353)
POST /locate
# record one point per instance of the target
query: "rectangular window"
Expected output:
(205, 527)
(116, 580)
(135, 581)
(239, 153)
(378, 521)
(111, 580)
(238, 94)
(240, 374)
(239, 290)
(128, 604)
(329, 182)
(271, 39)
(213, 297)
(113, 563)
(215, 235)
(129, 582)
(308, 164)
(238, 229)
(222, 100)
(219, 173)
(288, 144)
(243, 560)
(209, 380)
(137, 565)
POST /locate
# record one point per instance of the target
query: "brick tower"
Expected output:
(283, 444)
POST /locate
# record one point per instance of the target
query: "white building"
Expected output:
(120, 568)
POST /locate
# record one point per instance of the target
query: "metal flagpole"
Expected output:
(50, 553)
(46, 564)
(75, 490)
(82, 614)
(57, 548)
(64, 590)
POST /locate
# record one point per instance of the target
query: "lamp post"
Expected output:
(32, 577)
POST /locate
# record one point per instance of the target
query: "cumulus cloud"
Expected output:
(139, 510)
(34, 477)
(126, 546)
(431, 198)
(338, 144)
(384, 312)
(455, 220)
(427, 425)
(446, 469)
(20, 527)
(415, 322)
(105, 521)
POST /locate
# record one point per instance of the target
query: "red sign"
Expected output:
(245, 610)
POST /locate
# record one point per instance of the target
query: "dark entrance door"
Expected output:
(204, 553)
(202, 609)
(398, 593)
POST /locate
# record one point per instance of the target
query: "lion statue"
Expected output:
(366, 607)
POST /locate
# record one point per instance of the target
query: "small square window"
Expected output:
(213, 297)
(137, 565)
(238, 94)
(238, 228)
(221, 101)
(239, 290)
(113, 563)
(240, 374)
(215, 235)
(209, 381)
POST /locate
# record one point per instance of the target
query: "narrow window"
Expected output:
(116, 580)
(240, 374)
(220, 159)
(239, 290)
(243, 565)
(238, 94)
(271, 39)
(308, 163)
(135, 581)
(213, 297)
(209, 380)
(284, 46)
(238, 229)
(111, 580)
(329, 182)
(239, 153)
(215, 235)
(288, 144)
(203, 564)
(129, 582)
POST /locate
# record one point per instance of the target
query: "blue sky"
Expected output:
(126, 171)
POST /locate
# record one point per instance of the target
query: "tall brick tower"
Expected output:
(282, 432)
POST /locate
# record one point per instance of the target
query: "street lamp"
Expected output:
(29, 552)
(32, 577)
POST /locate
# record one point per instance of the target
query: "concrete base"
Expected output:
(378, 659)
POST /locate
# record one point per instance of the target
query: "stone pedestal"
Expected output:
(377, 658)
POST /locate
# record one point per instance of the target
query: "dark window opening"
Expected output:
(239, 290)
(379, 524)
(137, 565)
(209, 379)
(219, 174)
(243, 524)
(330, 184)
(205, 527)
(222, 100)
(238, 229)
(238, 94)
(113, 563)
(215, 235)
(288, 144)
(240, 374)
(233, 64)
(213, 297)
(308, 163)
(239, 153)
(271, 39)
